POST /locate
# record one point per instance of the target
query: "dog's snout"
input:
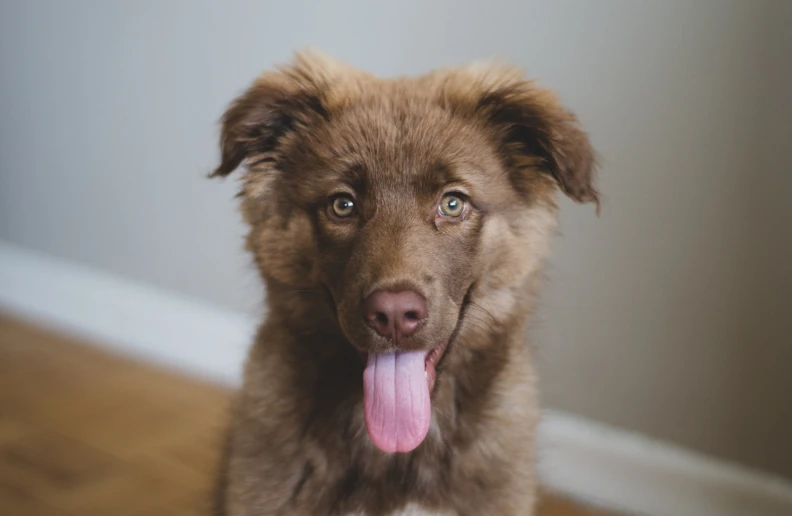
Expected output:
(394, 314)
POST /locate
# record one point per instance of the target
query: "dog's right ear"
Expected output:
(276, 104)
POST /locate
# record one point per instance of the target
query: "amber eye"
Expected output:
(452, 205)
(343, 206)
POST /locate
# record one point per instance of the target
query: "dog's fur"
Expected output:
(298, 443)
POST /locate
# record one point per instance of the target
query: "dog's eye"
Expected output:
(343, 206)
(452, 205)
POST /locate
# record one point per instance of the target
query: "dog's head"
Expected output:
(407, 200)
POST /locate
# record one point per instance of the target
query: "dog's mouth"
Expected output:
(431, 360)
(397, 393)
(397, 388)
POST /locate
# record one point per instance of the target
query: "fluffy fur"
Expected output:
(298, 443)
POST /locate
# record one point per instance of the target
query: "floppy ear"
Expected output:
(256, 122)
(535, 126)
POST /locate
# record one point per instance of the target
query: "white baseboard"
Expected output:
(586, 460)
(620, 470)
(127, 316)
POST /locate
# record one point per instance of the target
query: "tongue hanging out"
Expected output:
(396, 398)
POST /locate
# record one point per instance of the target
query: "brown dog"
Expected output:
(400, 227)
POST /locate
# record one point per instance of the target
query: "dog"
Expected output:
(400, 227)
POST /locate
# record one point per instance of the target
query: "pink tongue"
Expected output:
(396, 398)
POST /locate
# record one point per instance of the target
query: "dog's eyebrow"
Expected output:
(471, 166)
(444, 175)
(353, 177)
(356, 179)
(440, 174)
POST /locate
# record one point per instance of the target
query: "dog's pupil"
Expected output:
(343, 205)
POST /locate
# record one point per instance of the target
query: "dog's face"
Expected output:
(407, 200)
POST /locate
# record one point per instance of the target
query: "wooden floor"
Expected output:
(83, 432)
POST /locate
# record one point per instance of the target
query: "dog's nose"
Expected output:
(394, 314)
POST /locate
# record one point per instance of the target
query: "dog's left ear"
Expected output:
(535, 126)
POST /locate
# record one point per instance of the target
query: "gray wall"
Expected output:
(669, 314)
(676, 306)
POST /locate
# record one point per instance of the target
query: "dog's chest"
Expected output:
(401, 490)
(391, 485)
(412, 510)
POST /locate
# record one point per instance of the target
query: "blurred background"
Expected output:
(668, 317)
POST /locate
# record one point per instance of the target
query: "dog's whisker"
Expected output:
(470, 315)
